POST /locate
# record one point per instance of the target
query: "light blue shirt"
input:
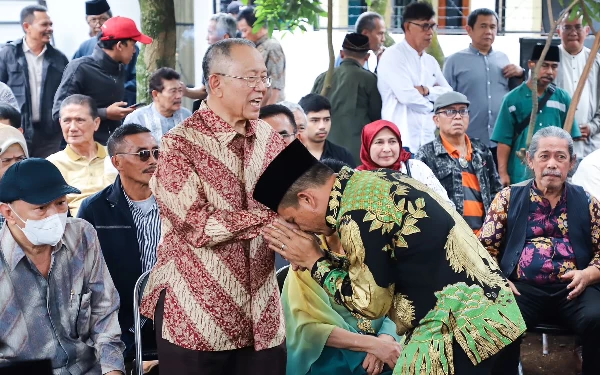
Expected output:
(158, 124)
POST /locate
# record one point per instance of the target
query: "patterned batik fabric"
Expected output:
(218, 273)
(547, 252)
(274, 57)
(412, 257)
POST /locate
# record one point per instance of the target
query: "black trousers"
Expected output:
(549, 303)
(181, 361)
(463, 365)
(42, 144)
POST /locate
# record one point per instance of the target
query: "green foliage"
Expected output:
(589, 8)
(287, 15)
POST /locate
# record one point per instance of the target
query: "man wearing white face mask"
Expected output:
(57, 299)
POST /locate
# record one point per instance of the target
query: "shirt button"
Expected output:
(489, 97)
(488, 83)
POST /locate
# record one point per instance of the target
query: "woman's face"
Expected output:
(385, 148)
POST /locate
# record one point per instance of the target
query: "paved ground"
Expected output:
(560, 359)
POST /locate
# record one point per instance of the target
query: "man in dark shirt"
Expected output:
(314, 137)
(102, 75)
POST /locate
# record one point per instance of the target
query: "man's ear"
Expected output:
(529, 162)
(307, 199)
(116, 162)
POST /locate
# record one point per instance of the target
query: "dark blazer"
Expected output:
(15, 73)
(109, 213)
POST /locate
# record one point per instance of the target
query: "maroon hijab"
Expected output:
(369, 133)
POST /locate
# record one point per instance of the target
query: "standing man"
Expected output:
(166, 111)
(33, 69)
(318, 112)
(213, 293)
(482, 74)
(97, 12)
(271, 51)
(573, 57)
(126, 217)
(410, 80)
(355, 100)
(371, 25)
(512, 124)
(102, 75)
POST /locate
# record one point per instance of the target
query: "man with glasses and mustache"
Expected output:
(83, 163)
(553, 268)
(213, 294)
(126, 217)
(512, 124)
(165, 111)
(574, 56)
(409, 80)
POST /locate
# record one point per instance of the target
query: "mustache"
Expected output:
(149, 170)
(550, 78)
(551, 172)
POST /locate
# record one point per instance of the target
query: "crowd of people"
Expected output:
(404, 221)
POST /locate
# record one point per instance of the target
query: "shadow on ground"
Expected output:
(560, 359)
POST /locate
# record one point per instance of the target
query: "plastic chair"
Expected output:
(138, 292)
(281, 274)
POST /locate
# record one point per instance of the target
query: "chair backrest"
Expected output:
(37, 367)
(281, 274)
(138, 292)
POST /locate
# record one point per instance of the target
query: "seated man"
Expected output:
(10, 116)
(84, 162)
(57, 299)
(126, 216)
(13, 149)
(394, 231)
(299, 116)
(465, 167)
(281, 119)
(165, 111)
(553, 267)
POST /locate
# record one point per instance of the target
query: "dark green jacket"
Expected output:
(355, 102)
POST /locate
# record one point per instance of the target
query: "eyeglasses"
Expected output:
(569, 28)
(286, 135)
(16, 159)
(251, 81)
(451, 113)
(97, 20)
(144, 155)
(426, 26)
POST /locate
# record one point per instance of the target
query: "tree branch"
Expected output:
(329, 74)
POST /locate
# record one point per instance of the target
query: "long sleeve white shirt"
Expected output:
(400, 69)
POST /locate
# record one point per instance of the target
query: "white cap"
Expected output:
(10, 136)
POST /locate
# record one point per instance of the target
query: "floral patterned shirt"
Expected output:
(547, 252)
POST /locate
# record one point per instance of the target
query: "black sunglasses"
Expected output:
(144, 155)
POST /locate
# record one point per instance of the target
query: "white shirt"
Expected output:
(35, 66)
(572, 67)
(400, 69)
(422, 173)
(588, 174)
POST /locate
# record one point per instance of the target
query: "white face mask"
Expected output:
(47, 231)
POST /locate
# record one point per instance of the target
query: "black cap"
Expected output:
(552, 55)
(234, 7)
(35, 181)
(356, 42)
(281, 173)
(96, 7)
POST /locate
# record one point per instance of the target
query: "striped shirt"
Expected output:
(146, 218)
(473, 211)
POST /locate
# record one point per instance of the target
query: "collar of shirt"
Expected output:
(12, 251)
(133, 206)
(335, 197)
(538, 193)
(349, 61)
(477, 52)
(261, 40)
(567, 56)
(525, 90)
(27, 49)
(75, 156)
(411, 50)
(106, 62)
(454, 152)
(222, 130)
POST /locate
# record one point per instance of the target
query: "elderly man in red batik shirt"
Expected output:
(213, 293)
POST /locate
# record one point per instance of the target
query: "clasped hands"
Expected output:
(299, 248)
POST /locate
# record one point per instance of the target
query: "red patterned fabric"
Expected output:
(221, 291)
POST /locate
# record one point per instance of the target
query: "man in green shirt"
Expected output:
(516, 110)
(393, 231)
(355, 100)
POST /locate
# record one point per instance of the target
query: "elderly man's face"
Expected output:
(231, 82)
(452, 125)
(572, 35)
(282, 125)
(169, 99)
(300, 119)
(212, 36)
(27, 211)
(96, 22)
(551, 163)
(377, 35)
(13, 154)
(132, 167)
(77, 124)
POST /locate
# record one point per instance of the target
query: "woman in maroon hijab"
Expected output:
(382, 148)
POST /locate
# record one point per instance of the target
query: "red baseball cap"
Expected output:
(123, 28)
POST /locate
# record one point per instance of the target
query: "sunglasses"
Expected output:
(144, 155)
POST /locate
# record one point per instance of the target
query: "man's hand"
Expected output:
(513, 288)
(387, 351)
(512, 70)
(117, 111)
(299, 248)
(422, 90)
(504, 179)
(372, 364)
(580, 279)
(585, 130)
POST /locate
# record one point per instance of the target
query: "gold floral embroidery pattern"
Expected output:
(365, 325)
(402, 313)
(323, 268)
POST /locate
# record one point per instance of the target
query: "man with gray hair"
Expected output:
(372, 25)
(213, 293)
(299, 116)
(221, 26)
(553, 268)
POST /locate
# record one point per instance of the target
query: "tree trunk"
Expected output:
(435, 49)
(158, 22)
(380, 6)
(582, 82)
(329, 74)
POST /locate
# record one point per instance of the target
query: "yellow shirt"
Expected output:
(89, 176)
